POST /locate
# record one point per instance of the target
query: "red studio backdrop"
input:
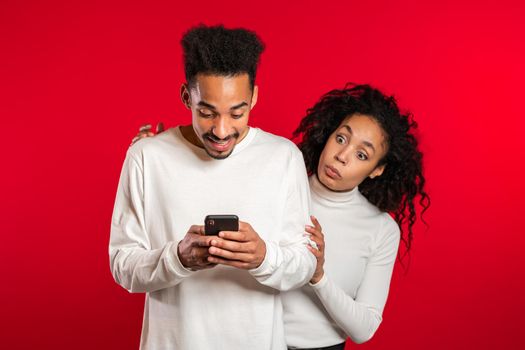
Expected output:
(77, 79)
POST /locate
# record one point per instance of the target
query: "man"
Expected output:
(213, 292)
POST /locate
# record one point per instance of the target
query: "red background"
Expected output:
(78, 78)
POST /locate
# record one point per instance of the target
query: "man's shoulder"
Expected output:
(160, 143)
(276, 142)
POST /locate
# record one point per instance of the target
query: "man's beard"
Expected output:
(214, 138)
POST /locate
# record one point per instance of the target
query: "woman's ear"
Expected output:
(378, 171)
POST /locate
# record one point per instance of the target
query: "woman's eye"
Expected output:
(340, 139)
(362, 156)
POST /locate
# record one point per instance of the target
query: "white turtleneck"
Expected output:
(361, 248)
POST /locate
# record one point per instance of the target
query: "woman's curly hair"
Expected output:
(402, 182)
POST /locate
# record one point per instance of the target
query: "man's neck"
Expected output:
(189, 134)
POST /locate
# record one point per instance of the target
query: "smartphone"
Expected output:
(213, 224)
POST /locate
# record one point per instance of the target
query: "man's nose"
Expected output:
(221, 127)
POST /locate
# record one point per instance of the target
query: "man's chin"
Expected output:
(218, 155)
(219, 152)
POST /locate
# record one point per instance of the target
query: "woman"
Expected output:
(363, 163)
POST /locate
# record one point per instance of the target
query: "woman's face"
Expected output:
(352, 153)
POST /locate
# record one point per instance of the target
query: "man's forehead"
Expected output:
(221, 91)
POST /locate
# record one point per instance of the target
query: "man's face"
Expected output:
(220, 108)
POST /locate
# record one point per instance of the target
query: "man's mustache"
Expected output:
(214, 138)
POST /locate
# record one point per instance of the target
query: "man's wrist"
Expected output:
(263, 253)
(267, 264)
(177, 262)
(179, 255)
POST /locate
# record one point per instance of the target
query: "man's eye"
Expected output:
(205, 115)
(237, 116)
(340, 139)
(362, 156)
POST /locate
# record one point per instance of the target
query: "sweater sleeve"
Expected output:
(288, 264)
(359, 318)
(134, 265)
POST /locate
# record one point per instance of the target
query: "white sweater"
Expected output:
(361, 248)
(167, 184)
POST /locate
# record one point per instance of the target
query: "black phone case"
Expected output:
(213, 224)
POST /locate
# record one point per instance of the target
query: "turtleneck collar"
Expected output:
(331, 196)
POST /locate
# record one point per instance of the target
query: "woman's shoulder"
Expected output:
(385, 223)
(389, 225)
(367, 207)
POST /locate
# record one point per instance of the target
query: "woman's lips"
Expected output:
(332, 172)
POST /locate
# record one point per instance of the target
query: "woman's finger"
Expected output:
(145, 127)
(313, 231)
(319, 242)
(144, 134)
(316, 223)
(315, 252)
(316, 240)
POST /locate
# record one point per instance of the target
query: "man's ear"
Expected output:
(185, 95)
(255, 95)
(378, 171)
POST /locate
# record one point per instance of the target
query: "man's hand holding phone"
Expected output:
(243, 249)
(193, 249)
